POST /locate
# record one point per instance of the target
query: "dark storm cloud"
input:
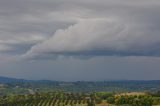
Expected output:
(105, 28)
(80, 28)
(26, 22)
(121, 38)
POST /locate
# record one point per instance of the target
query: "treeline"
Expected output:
(148, 99)
(111, 86)
(126, 100)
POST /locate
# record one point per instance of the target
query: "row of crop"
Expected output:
(49, 99)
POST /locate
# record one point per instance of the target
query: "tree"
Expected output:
(111, 100)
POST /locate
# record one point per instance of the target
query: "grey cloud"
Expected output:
(121, 38)
(4, 48)
(133, 30)
(106, 36)
(26, 22)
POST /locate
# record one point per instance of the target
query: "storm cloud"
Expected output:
(84, 28)
(78, 29)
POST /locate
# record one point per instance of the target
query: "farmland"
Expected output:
(19, 92)
(80, 99)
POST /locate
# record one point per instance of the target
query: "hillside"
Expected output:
(22, 86)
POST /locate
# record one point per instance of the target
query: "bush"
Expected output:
(111, 100)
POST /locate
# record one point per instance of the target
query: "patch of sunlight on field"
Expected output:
(131, 93)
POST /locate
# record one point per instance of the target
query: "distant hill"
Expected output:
(78, 86)
(14, 80)
(11, 80)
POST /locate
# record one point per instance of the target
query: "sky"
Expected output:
(78, 40)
